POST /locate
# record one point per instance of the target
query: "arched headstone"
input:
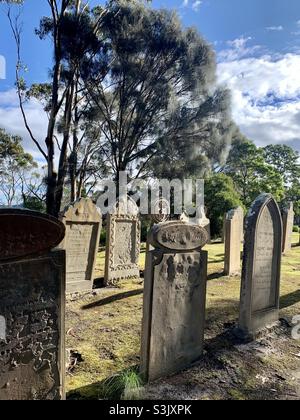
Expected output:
(260, 290)
(83, 222)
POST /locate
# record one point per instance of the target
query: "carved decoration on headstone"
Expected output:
(123, 242)
(32, 306)
(174, 299)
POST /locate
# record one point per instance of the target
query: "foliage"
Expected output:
(285, 161)
(153, 95)
(250, 171)
(220, 197)
(18, 175)
(124, 386)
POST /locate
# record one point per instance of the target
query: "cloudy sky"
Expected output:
(258, 50)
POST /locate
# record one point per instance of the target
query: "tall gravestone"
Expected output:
(83, 222)
(123, 242)
(260, 290)
(288, 216)
(32, 306)
(234, 231)
(174, 299)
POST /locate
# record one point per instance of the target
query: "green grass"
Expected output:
(105, 329)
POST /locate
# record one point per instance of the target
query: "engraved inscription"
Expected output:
(30, 353)
(80, 249)
(125, 252)
(264, 286)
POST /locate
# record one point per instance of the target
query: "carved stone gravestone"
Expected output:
(199, 219)
(234, 228)
(174, 299)
(32, 306)
(288, 216)
(123, 242)
(83, 222)
(260, 288)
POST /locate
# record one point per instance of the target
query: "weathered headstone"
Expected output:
(32, 305)
(174, 299)
(288, 216)
(234, 228)
(260, 288)
(83, 223)
(123, 242)
(199, 219)
(224, 229)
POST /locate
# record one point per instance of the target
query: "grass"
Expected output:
(105, 329)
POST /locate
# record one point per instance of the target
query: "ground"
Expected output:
(103, 338)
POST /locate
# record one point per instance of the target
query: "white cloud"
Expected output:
(2, 67)
(298, 23)
(275, 28)
(196, 5)
(12, 121)
(238, 48)
(265, 95)
(185, 3)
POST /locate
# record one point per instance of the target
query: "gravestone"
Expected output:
(199, 219)
(174, 299)
(288, 216)
(224, 229)
(123, 242)
(83, 222)
(259, 306)
(32, 306)
(161, 214)
(234, 230)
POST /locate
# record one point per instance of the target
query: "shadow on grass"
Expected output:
(114, 298)
(290, 299)
(216, 261)
(111, 388)
(215, 276)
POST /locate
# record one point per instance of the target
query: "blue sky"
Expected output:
(258, 51)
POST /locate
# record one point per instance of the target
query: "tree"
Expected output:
(220, 197)
(17, 171)
(286, 162)
(250, 172)
(152, 93)
(74, 38)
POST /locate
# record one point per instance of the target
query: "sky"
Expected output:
(257, 43)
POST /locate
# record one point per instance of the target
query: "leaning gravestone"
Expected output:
(32, 305)
(174, 299)
(234, 230)
(123, 242)
(83, 223)
(260, 288)
(288, 216)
